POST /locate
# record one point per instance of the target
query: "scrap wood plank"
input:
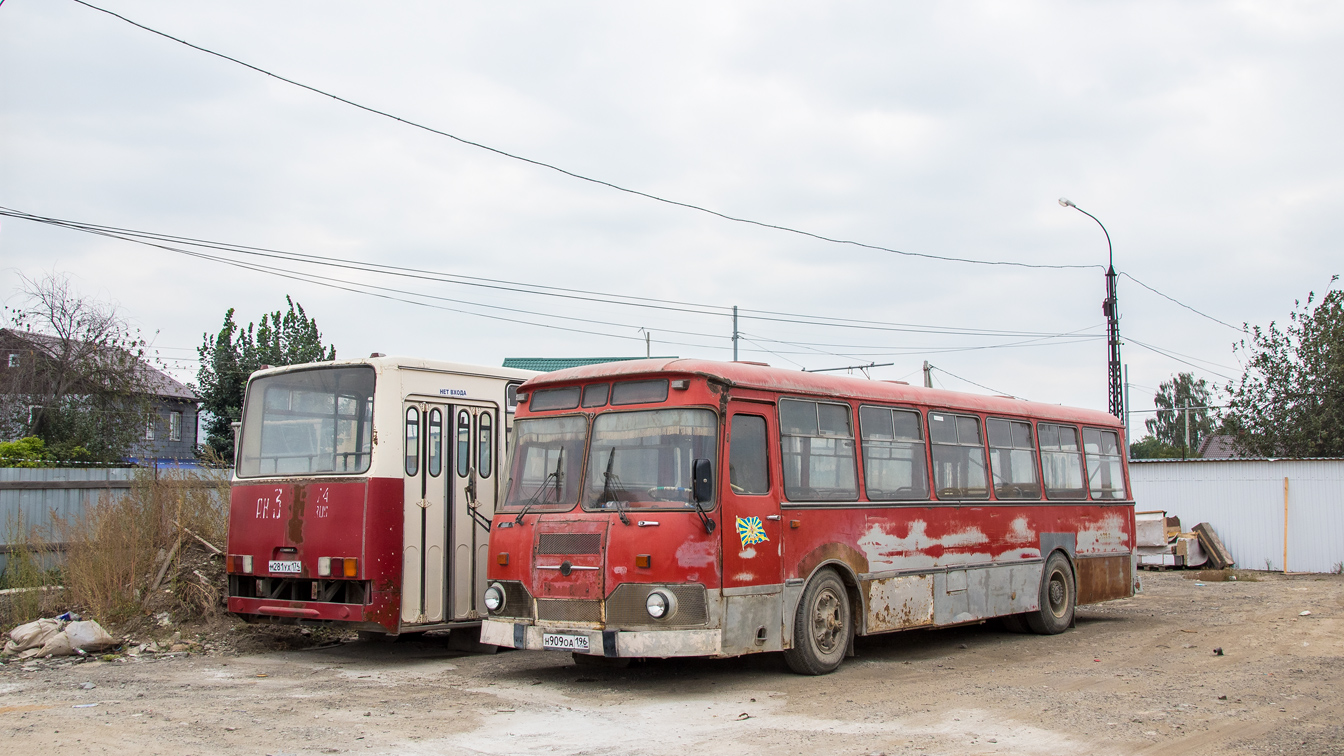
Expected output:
(1213, 546)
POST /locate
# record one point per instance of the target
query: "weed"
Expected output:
(1338, 569)
(127, 550)
(30, 580)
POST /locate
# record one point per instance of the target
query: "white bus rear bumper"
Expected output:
(615, 643)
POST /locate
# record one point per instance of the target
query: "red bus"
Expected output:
(660, 508)
(363, 491)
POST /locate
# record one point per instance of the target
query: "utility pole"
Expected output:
(648, 351)
(1127, 411)
(928, 375)
(735, 333)
(1110, 307)
(1185, 413)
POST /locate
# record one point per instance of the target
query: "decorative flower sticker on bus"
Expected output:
(751, 531)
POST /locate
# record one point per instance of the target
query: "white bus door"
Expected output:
(475, 451)
(425, 507)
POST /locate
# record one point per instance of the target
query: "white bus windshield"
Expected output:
(309, 422)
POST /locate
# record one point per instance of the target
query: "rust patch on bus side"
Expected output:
(1103, 578)
(294, 528)
(833, 552)
(899, 602)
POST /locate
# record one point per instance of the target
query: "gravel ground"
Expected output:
(1135, 676)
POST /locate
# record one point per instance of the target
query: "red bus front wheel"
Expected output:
(822, 627)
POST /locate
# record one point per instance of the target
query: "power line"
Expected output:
(973, 383)
(148, 238)
(1182, 304)
(572, 174)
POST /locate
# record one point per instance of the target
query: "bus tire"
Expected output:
(1058, 596)
(822, 627)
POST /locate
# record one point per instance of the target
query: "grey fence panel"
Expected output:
(1244, 501)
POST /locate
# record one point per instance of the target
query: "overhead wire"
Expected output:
(575, 175)
(146, 237)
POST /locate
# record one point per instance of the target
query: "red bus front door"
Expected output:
(751, 519)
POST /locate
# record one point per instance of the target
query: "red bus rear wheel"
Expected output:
(822, 627)
(1058, 595)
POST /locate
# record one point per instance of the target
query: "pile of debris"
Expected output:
(65, 635)
(1161, 543)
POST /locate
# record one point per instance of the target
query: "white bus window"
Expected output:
(308, 422)
(485, 454)
(434, 455)
(463, 443)
(412, 441)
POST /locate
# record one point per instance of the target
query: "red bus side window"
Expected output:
(748, 468)
(1061, 461)
(412, 441)
(1105, 476)
(817, 444)
(1012, 457)
(958, 456)
(894, 465)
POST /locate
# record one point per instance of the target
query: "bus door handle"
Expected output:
(772, 517)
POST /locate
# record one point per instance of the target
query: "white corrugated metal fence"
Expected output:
(1244, 501)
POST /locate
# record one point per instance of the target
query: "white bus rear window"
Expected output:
(309, 422)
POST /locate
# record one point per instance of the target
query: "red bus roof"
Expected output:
(747, 375)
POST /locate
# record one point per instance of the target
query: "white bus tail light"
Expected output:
(337, 566)
(240, 564)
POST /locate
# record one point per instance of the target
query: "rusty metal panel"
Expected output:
(899, 602)
(744, 618)
(1103, 578)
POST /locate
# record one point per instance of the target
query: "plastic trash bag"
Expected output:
(32, 635)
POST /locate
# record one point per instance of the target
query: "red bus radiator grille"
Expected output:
(569, 543)
(565, 610)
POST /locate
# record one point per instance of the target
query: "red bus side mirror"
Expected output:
(702, 476)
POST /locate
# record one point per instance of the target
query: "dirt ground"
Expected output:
(1134, 676)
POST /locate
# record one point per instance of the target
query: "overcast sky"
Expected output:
(1206, 136)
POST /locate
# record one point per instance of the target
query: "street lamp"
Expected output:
(1111, 309)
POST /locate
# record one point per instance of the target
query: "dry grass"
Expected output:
(132, 553)
(29, 578)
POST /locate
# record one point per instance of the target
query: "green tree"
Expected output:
(1290, 400)
(230, 357)
(1149, 447)
(1169, 425)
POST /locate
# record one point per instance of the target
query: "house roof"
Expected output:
(159, 383)
(1218, 447)
(548, 364)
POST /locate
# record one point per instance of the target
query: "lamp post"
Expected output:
(1111, 309)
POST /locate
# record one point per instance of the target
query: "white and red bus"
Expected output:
(363, 492)
(662, 508)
